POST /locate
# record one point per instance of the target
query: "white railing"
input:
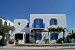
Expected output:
(42, 39)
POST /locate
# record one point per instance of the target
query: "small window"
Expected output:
(27, 25)
(53, 21)
(18, 23)
(5, 23)
(19, 36)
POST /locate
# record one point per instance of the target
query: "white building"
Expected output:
(9, 23)
(45, 21)
(21, 25)
(22, 31)
(72, 31)
(39, 21)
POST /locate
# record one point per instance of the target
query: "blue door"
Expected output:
(38, 36)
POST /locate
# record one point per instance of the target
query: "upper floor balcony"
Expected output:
(38, 23)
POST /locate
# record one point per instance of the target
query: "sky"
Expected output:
(21, 9)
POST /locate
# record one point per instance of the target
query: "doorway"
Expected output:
(27, 38)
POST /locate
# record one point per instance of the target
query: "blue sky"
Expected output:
(13, 9)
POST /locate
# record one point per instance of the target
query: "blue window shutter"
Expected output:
(56, 36)
(51, 36)
(51, 22)
(34, 23)
(55, 22)
(40, 36)
(41, 23)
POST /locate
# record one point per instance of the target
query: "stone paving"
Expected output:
(42, 48)
(37, 48)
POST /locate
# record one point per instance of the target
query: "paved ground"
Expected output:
(12, 47)
(37, 48)
(32, 49)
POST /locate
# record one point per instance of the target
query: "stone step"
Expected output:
(43, 45)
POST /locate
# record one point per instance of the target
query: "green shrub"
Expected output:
(59, 40)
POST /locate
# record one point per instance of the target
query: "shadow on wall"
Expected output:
(26, 30)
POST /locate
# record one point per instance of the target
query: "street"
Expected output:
(38, 48)
(34, 49)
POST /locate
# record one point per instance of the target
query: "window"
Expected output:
(19, 36)
(27, 25)
(18, 23)
(5, 23)
(53, 21)
(38, 36)
(38, 23)
(53, 36)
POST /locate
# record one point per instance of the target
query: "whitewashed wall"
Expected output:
(61, 18)
(8, 21)
(22, 27)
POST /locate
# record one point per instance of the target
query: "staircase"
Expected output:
(43, 36)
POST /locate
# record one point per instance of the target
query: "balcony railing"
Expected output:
(38, 26)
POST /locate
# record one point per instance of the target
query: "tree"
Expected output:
(5, 29)
(12, 28)
(58, 29)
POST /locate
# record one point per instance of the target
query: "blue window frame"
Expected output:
(38, 23)
(53, 21)
(38, 36)
(53, 36)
